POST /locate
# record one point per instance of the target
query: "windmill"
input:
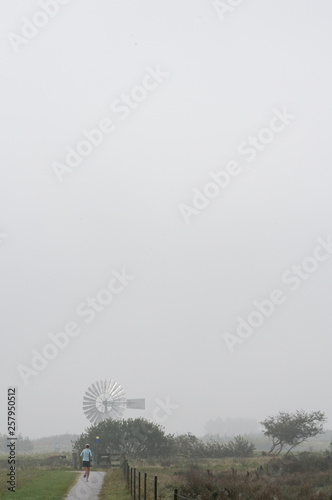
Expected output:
(105, 399)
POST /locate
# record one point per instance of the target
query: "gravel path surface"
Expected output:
(84, 490)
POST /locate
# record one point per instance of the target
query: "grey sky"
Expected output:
(217, 83)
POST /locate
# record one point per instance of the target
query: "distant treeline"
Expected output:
(216, 443)
(140, 438)
(51, 444)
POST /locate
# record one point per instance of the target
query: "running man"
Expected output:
(86, 455)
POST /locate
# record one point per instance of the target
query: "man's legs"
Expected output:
(87, 473)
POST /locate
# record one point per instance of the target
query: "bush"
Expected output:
(307, 462)
(190, 446)
(240, 447)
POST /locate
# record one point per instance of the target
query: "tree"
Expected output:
(240, 447)
(292, 429)
(188, 445)
(133, 437)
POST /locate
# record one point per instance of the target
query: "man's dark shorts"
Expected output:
(86, 463)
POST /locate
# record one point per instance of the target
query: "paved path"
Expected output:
(87, 490)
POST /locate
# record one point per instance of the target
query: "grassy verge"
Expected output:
(35, 484)
(114, 486)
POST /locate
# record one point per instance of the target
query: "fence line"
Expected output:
(139, 489)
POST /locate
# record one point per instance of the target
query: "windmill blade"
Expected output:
(137, 404)
(117, 391)
(117, 412)
(93, 391)
(111, 385)
(89, 410)
(89, 399)
(99, 388)
(104, 385)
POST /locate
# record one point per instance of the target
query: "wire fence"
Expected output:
(144, 487)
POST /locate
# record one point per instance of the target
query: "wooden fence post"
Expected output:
(145, 477)
(131, 481)
(139, 486)
(155, 487)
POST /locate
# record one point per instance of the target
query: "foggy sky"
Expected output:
(216, 81)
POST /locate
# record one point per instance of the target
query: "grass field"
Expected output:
(37, 484)
(305, 476)
(38, 460)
